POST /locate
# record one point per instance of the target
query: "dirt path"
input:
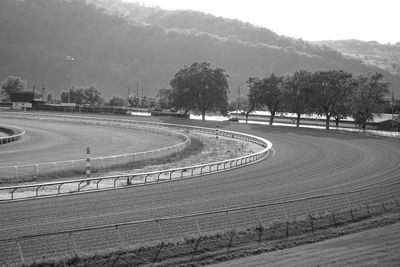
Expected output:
(375, 247)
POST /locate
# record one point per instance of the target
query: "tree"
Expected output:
(89, 95)
(247, 106)
(201, 88)
(11, 84)
(92, 96)
(116, 101)
(330, 89)
(267, 91)
(164, 98)
(297, 93)
(369, 92)
(73, 95)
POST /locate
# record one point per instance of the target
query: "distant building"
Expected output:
(22, 100)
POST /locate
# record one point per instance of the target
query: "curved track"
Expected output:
(57, 141)
(306, 162)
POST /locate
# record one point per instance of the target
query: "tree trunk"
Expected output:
(327, 121)
(247, 117)
(363, 126)
(298, 120)
(203, 115)
(271, 119)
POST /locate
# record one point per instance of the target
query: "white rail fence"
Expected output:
(109, 182)
(100, 163)
(14, 133)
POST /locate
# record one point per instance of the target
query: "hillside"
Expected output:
(385, 56)
(116, 45)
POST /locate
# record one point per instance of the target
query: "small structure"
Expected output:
(22, 100)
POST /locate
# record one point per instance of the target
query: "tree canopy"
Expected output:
(266, 91)
(88, 95)
(298, 92)
(330, 89)
(368, 94)
(200, 88)
(11, 84)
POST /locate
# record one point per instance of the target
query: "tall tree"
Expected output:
(11, 84)
(297, 93)
(93, 96)
(330, 89)
(367, 96)
(201, 88)
(164, 97)
(266, 92)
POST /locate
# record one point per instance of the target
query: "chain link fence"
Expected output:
(280, 219)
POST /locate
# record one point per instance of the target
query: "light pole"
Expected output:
(69, 60)
(238, 102)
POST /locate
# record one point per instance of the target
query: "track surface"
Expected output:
(55, 141)
(306, 162)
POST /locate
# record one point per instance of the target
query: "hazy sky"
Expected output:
(308, 19)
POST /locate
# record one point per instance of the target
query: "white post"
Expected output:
(88, 165)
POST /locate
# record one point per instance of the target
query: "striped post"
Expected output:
(88, 165)
(216, 132)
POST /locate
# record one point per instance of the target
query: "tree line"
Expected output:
(332, 93)
(201, 88)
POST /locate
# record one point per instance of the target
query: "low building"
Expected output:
(22, 100)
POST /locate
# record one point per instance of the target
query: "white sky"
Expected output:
(312, 20)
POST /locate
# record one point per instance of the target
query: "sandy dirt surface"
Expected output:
(306, 162)
(376, 247)
(56, 141)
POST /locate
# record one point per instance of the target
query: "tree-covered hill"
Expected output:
(116, 45)
(385, 56)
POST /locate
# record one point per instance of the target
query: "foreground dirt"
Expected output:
(375, 247)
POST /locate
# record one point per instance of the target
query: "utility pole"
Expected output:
(129, 92)
(393, 106)
(69, 60)
(238, 101)
(43, 92)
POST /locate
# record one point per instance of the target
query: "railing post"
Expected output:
(287, 220)
(88, 165)
(160, 231)
(311, 220)
(21, 255)
(71, 238)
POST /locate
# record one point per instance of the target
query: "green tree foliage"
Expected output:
(89, 95)
(11, 84)
(268, 92)
(367, 96)
(164, 98)
(298, 92)
(199, 87)
(116, 101)
(330, 89)
(92, 96)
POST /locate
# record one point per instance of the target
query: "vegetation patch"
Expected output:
(219, 246)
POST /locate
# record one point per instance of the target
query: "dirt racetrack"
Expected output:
(306, 162)
(55, 141)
